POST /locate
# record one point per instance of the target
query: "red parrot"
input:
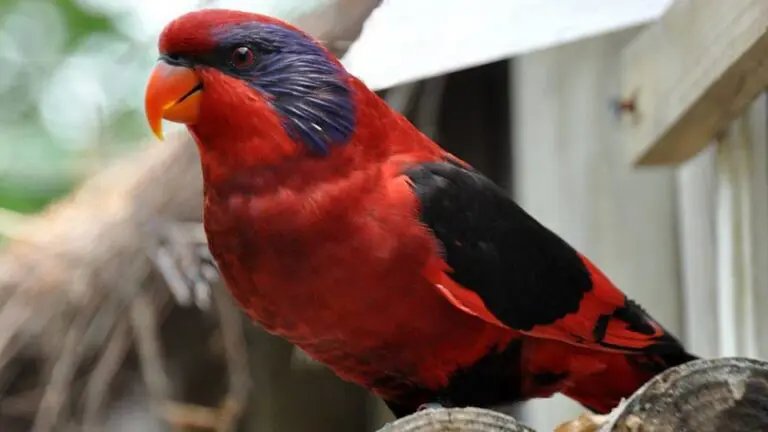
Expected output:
(340, 227)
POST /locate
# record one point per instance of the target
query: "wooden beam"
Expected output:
(691, 73)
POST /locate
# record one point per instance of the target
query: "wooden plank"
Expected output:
(696, 204)
(692, 72)
(757, 205)
(742, 200)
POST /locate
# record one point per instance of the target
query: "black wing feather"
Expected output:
(487, 239)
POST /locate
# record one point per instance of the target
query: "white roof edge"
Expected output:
(408, 40)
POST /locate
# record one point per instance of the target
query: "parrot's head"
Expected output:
(250, 88)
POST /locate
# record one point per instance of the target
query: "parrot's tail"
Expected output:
(624, 374)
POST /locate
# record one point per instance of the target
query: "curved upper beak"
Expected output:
(173, 93)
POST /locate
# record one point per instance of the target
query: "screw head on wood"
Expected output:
(621, 106)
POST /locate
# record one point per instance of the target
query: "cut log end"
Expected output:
(455, 420)
(723, 395)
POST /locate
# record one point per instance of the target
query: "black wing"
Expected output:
(525, 274)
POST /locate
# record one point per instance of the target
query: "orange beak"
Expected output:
(174, 94)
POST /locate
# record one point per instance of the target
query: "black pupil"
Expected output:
(242, 56)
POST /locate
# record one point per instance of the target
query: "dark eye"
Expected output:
(242, 57)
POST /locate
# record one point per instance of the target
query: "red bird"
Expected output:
(339, 226)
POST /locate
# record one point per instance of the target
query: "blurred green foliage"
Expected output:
(72, 76)
(81, 23)
(34, 167)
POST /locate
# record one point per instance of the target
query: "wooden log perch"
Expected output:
(455, 420)
(719, 395)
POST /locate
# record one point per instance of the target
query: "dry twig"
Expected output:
(237, 360)
(104, 372)
(143, 315)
